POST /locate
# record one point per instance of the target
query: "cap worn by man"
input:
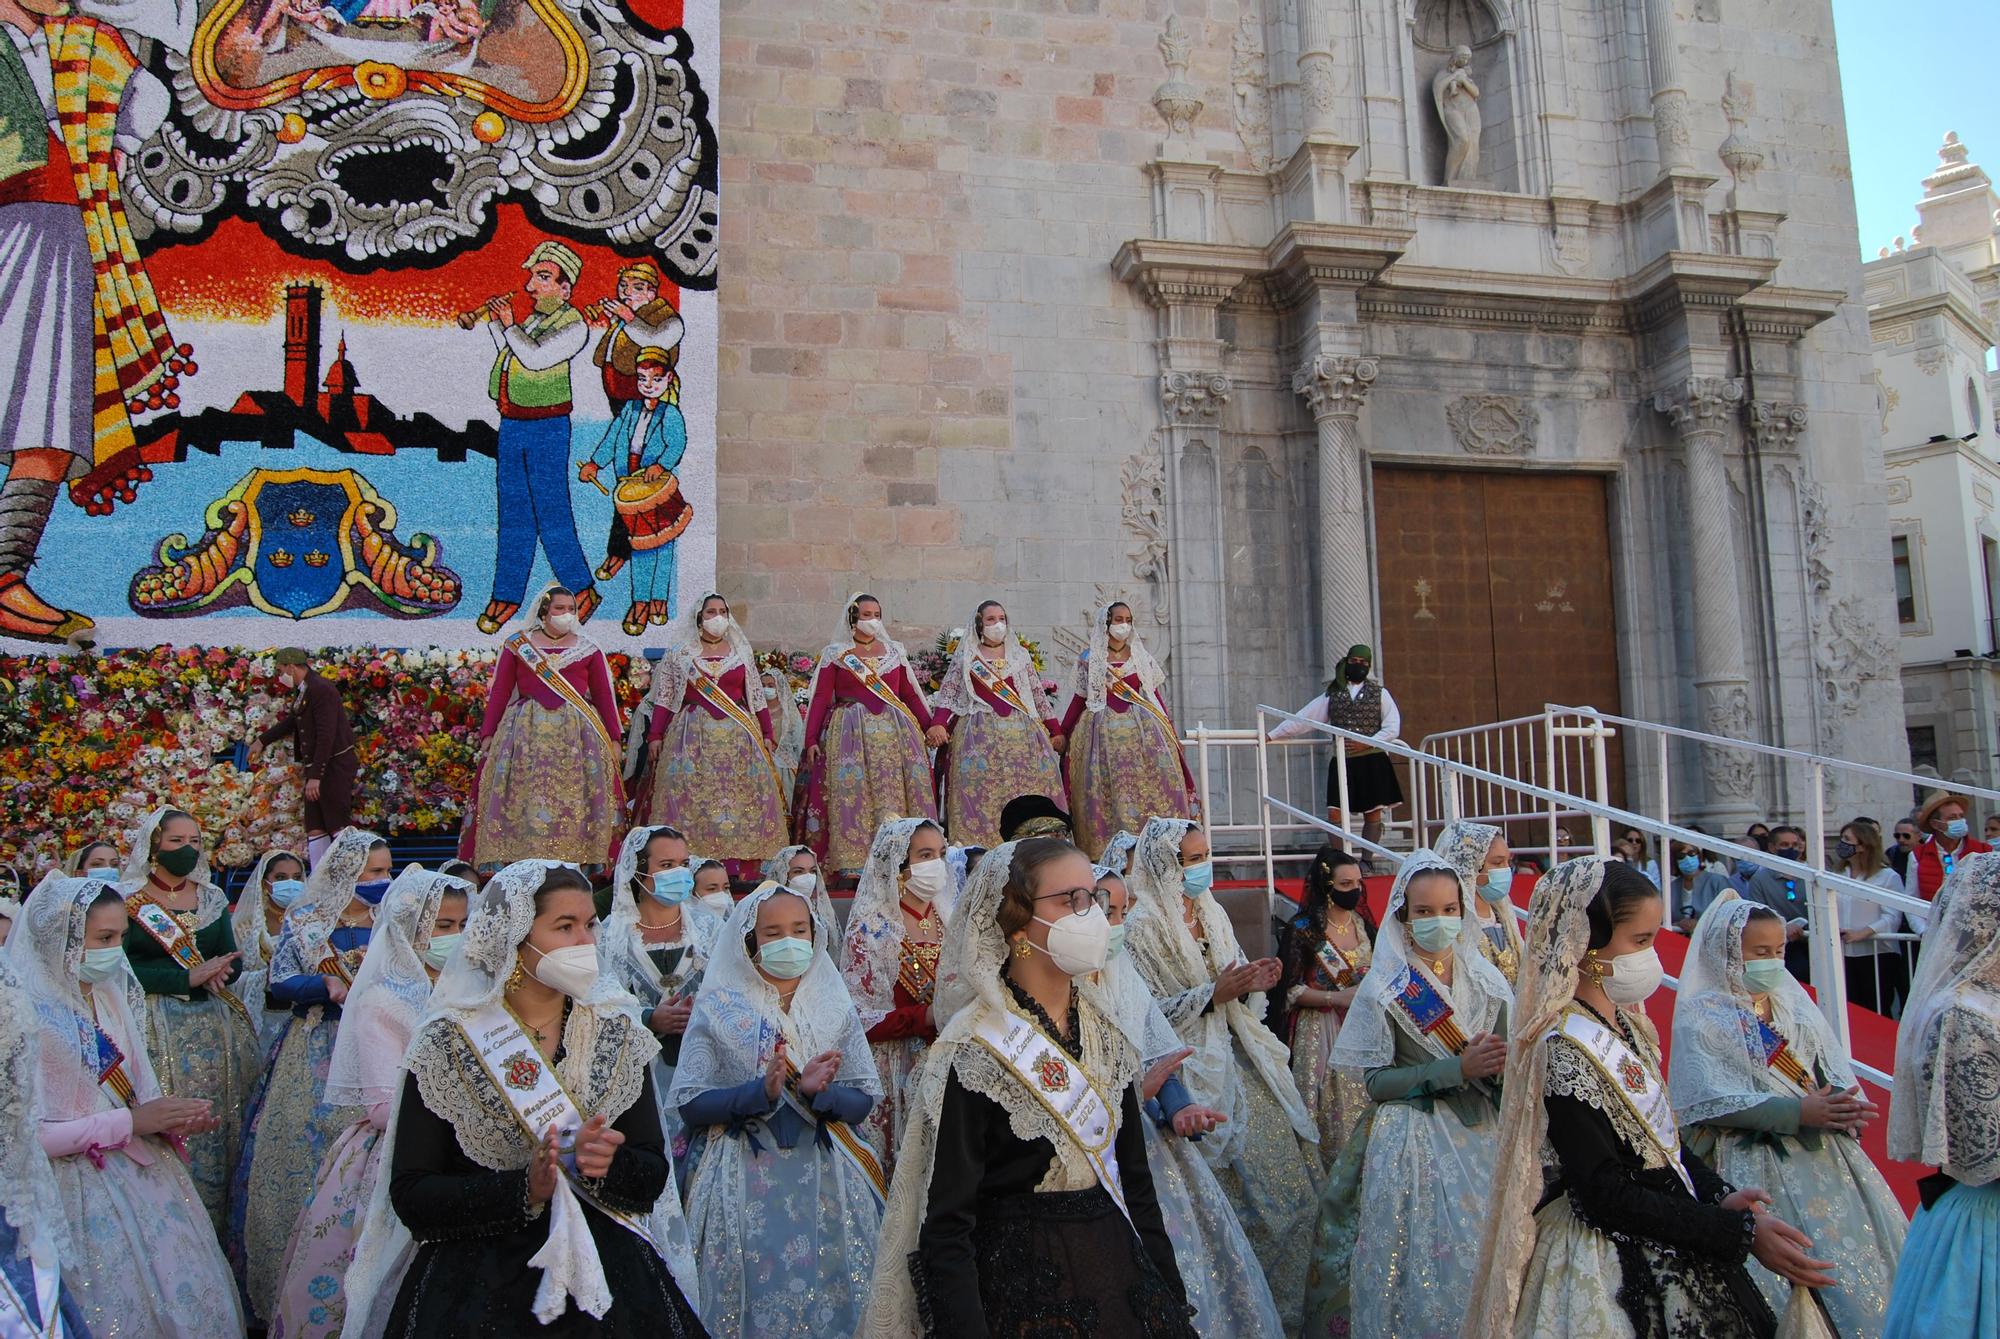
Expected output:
(1033, 816)
(558, 255)
(290, 655)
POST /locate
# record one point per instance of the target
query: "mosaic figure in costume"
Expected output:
(865, 760)
(709, 769)
(183, 950)
(785, 1199)
(895, 934)
(1485, 865)
(288, 1125)
(1184, 947)
(479, 1227)
(641, 321)
(34, 1237)
(420, 922)
(1764, 1093)
(549, 773)
(276, 881)
(530, 385)
(995, 730)
(1326, 950)
(641, 449)
(1124, 760)
(141, 1252)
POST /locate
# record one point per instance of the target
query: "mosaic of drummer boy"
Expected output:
(642, 447)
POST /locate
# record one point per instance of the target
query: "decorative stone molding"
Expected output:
(1931, 361)
(1739, 153)
(1776, 424)
(1569, 233)
(1816, 537)
(1143, 510)
(1336, 384)
(1492, 425)
(1250, 90)
(1731, 773)
(1194, 397)
(1670, 123)
(1176, 100)
(1700, 405)
(1896, 489)
(1319, 87)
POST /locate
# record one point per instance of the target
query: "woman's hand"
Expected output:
(812, 755)
(936, 736)
(1235, 981)
(544, 1170)
(671, 1018)
(1157, 1073)
(1782, 1249)
(774, 1072)
(1483, 1057)
(211, 970)
(171, 1115)
(336, 989)
(1340, 999)
(818, 1073)
(1832, 1108)
(1060, 743)
(596, 1142)
(1190, 1121)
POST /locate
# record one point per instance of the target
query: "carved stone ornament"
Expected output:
(1336, 383)
(1250, 90)
(1700, 404)
(1176, 100)
(1670, 124)
(1816, 533)
(1931, 361)
(1739, 153)
(1143, 510)
(1492, 425)
(1726, 712)
(1777, 424)
(1194, 397)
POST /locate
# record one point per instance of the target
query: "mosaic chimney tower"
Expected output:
(302, 303)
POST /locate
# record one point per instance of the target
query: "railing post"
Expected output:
(1549, 780)
(1829, 965)
(1264, 815)
(1201, 748)
(1600, 780)
(1666, 799)
(1340, 770)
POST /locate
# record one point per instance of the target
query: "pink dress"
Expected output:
(1125, 766)
(715, 780)
(993, 757)
(873, 765)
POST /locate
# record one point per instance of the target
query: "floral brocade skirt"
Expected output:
(992, 760)
(1225, 1283)
(716, 783)
(203, 1049)
(896, 1061)
(550, 790)
(1124, 768)
(1272, 1182)
(312, 1302)
(1335, 1097)
(873, 768)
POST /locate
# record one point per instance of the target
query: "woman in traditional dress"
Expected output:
(143, 1259)
(1763, 1091)
(895, 933)
(709, 756)
(276, 881)
(785, 1201)
(713, 887)
(1183, 945)
(419, 924)
(481, 1228)
(788, 725)
(184, 953)
(1023, 1203)
(1325, 953)
(1124, 759)
(865, 760)
(93, 859)
(995, 727)
(1942, 1115)
(656, 943)
(34, 1236)
(1400, 1220)
(796, 870)
(1478, 851)
(549, 764)
(1601, 1223)
(289, 1125)
(1224, 1282)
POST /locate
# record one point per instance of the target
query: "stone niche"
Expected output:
(1437, 28)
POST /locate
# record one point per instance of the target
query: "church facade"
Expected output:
(1521, 339)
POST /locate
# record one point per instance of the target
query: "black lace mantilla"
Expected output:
(1070, 1040)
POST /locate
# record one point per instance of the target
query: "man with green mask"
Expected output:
(1356, 703)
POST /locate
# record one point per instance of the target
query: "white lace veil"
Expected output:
(1117, 855)
(872, 951)
(683, 647)
(620, 950)
(787, 723)
(737, 1019)
(1465, 846)
(247, 921)
(1132, 1003)
(1091, 673)
(1558, 934)
(955, 691)
(139, 852)
(1368, 1038)
(389, 992)
(28, 1192)
(1719, 1066)
(893, 653)
(1948, 1046)
(774, 872)
(305, 940)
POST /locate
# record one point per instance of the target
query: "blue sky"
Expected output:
(1911, 70)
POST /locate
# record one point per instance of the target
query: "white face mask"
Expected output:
(572, 970)
(1080, 941)
(1120, 632)
(869, 627)
(723, 902)
(716, 626)
(1634, 977)
(805, 885)
(994, 633)
(559, 625)
(926, 879)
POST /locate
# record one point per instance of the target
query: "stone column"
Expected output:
(1670, 102)
(1703, 411)
(1192, 403)
(1318, 85)
(1335, 386)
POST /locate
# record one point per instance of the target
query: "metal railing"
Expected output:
(1233, 771)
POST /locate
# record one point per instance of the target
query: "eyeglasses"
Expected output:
(1081, 900)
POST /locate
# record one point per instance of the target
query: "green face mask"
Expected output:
(1764, 975)
(180, 861)
(1435, 934)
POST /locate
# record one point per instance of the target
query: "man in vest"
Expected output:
(322, 738)
(530, 384)
(642, 321)
(1356, 703)
(1945, 838)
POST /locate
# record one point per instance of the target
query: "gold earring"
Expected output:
(1592, 968)
(518, 977)
(1022, 948)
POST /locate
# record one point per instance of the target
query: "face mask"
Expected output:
(1120, 632)
(1498, 885)
(572, 970)
(721, 902)
(1197, 879)
(672, 885)
(994, 634)
(100, 963)
(1347, 899)
(1356, 671)
(869, 627)
(1747, 868)
(560, 625)
(1114, 941)
(1844, 850)
(1435, 934)
(804, 885)
(103, 873)
(180, 861)
(786, 959)
(284, 892)
(715, 627)
(1956, 829)
(1079, 942)
(372, 892)
(1688, 864)
(1633, 977)
(439, 949)
(1764, 975)
(926, 879)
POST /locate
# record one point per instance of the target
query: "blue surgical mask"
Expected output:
(1115, 944)
(1198, 879)
(1435, 934)
(286, 891)
(1956, 829)
(100, 964)
(1764, 975)
(1688, 864)
(1747, 868)
(439, 949)
(1498, 884)
(373, 891)
(672, 886)
(785, 958)
(103, 873)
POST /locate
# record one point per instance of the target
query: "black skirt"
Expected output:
(1371, 783)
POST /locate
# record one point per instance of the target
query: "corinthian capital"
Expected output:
(1776, 424)
(1335, 383)
(1194, 397)
(1700, 404)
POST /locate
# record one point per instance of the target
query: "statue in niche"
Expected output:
(1457, 99)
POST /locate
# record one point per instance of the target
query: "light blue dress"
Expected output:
(1949, 1283)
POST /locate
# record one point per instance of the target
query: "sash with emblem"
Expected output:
(917, 974)
(543, 666)
(984, 676)
(1776, 1052)
(1337, 970)
(177, 942)
(1635, 1082)
(1121, 688)
(1430, 1011)
(875, 684)
(110, 1067)
(712, 693)
(1063, 1088)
